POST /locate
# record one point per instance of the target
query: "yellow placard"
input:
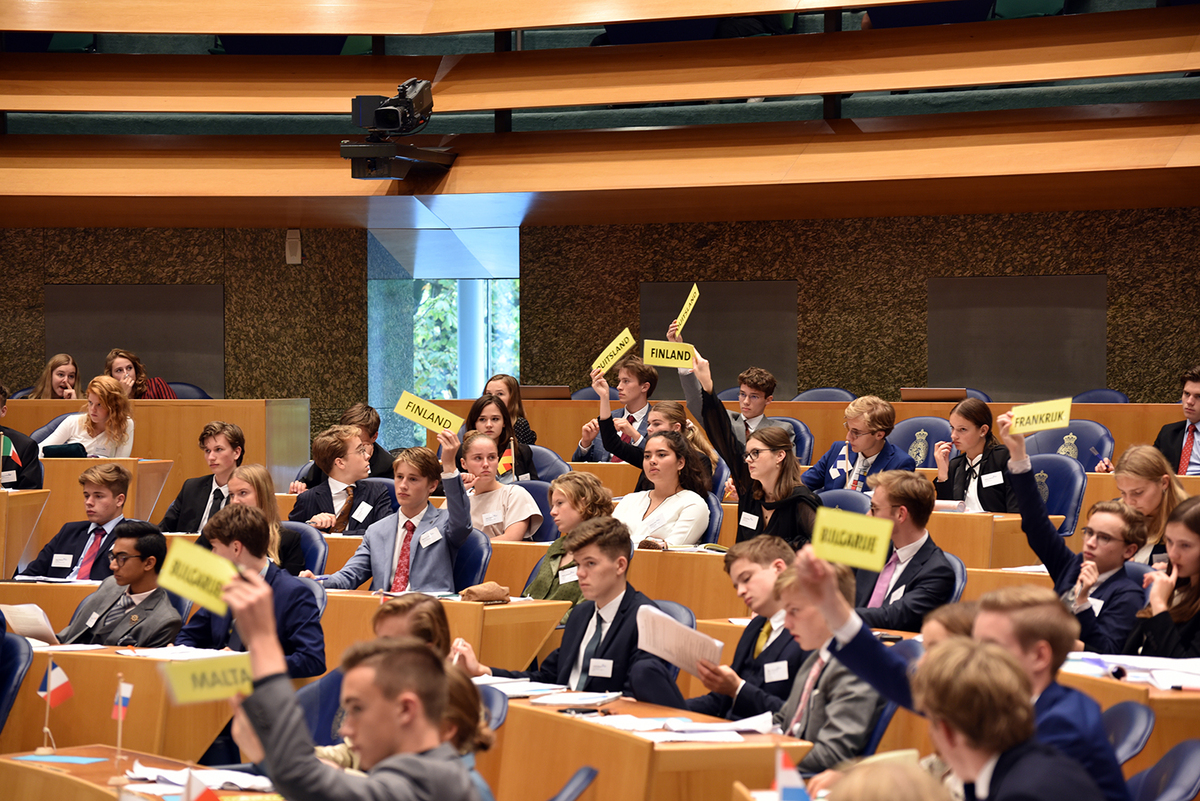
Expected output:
(194, 680)
(430, 415)
(667, 354)
(851, 539)
(615, 350)
(688, 305)
(197, 574)
(1041, 416)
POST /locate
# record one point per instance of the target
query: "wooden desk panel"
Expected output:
(620, 477)
(984, 540)
(78, 782)
(512, 563)
(19, 515)
(981, 581)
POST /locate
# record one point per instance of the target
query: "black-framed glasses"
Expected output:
(754, 454)
(122, 558)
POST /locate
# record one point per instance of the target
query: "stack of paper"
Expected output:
(518, 688)
(213, 779)
(575, 699)
(30, 621)
(664, 636)
(759, 724)
(174, 653)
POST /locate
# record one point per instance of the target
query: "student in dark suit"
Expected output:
(917, 576)
(240, 533)
(599, 651)
(77, 550)
(1170, 623)
(129, 608)
(223, 444)
(981, 721)
(345, 503)
(1175, 438)
(866, 451)
(636, 381)
(766, 659)
(366, 420)
(19, 468)
(976, 474)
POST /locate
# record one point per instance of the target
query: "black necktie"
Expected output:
(218, 500)
(590, 651)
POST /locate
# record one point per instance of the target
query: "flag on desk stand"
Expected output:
(55, 688)
(506, 459)
(120, 705)
(787, 778)
(195, 790)
(9, 451)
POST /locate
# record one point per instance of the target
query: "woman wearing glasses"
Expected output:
(866, 450)
(772, 499)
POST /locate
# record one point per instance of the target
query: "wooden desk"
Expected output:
(58, 601)
(341, 548)
(77, 782)
(620, 477)
(981, 581)
(153, 724)
(505, 635)
(984, 540)
(19, 515)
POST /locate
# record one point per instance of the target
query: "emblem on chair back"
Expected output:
(1043, 489)
(1068, 447)
(920, 447)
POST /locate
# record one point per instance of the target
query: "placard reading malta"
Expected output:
(615, 350)
(197, 574)
(1041, 416)
(430, 415)
(195, 680)
(851, 539)
(667, 354)
(688, 305)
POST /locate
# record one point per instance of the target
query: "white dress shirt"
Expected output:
(607, 613)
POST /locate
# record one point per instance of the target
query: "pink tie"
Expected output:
(885, 578)
(400, 582)
(85, 564)
(625, 437)
(809, 683)
(1186, 456)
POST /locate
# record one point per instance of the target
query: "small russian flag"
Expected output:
(121, 700)
(55, 685)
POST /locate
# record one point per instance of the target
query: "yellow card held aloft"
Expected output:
(851, 539)
(197, 574)
(615, 350)
(688, 305)
(194, 680)
(667, 354)
(1041, 416)
(430, 415)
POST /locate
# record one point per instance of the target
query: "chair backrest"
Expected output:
(1135, 571)
(318, 591)
(729, 394)
(1128, 726)
(533, 573)
(587, 393)
(182, 605)
(471, 560)
(978, 394)
(1101, 396)
(16, 655)
(185, 391)
(885, 717)
(48, 429)
(716, 515)
(549, 465)
(540, 490)
(720, 476)
(803, 437)
(303, 471)
(682, 614)
(22, 393)
(496, 704)
(916, 436)
(390, 485)
(320, 701)
(960, 576)
(1085, 440)
(848, 500)
(826, 394)
(1176, 777)
(1062, 482)
(575, 785)
(312, 543)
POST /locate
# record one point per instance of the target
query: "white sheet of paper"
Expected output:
(575, 699)
(29, 620)
(760, 724)
(692, 736)
(662, 635)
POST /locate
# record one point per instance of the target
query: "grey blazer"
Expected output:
(842, 711)
(151, 624)
(691, 394)
(299, 776)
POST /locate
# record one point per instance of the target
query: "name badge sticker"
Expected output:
(600, 668)
(568, 575)
(360, 514)
(92, 618)
(8, 477)
(897, 594)
(654, 523)
(748, 520)
(991, 479)
(492, 518)
(61, 560)
(430, 537)
(523, 477)
(775, 671)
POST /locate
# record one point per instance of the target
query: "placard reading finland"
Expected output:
(1041, 416)
(197, 574)
(430, 415)
(667, 354)
(615, 350)
(195, 680)
(688, 305)
(851, 539)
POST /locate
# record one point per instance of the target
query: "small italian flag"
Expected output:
(55, 687)
(8, 451)
(121, 700)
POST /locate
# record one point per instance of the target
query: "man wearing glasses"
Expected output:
(865, 452)
(346, 503)
(129, 608)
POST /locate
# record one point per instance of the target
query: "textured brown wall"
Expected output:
(868, 276)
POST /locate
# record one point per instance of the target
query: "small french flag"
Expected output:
(121, 700)
(55, 687)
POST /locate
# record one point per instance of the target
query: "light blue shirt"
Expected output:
(99, 531)
(1193, 465)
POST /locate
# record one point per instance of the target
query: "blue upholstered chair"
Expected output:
(849, 500)
(1176, 777)
(1101, 396)
(729, 394)
(471, 560)
(916, 436)
(318, 591)
(16, 655)
(978, 394)
(1128, 726)
(320, 701)
(1061, 482)
(182, 605)
(1135, 570)
(549, 465)
(312, 543)
(885, 718)
(720, 476)
(185, 391)
(21, 393)
(40, 434)
(682, 614)
(303, 471)
(587, 393)
(533, 573)
(496, 704)
(803, 436)
(576, 785)
(388, 484)
(540, 490)
(826, 394)
(960, 576)
(716, 515)
(1085, 440)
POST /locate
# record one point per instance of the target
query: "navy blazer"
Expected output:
(1031, 771)
(187, 509)
(820, 475)
(29, 471)
(70, 539)
(927, 581)
(1121, 595)
(998, 498)
(381, 467)
(1161, 636)
(634, 672)
(296, 616)
(1170, 442)
(320, 499)
(757, 695)
(597, 453)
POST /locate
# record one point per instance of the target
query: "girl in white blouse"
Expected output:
(675, 511)
(105, 428)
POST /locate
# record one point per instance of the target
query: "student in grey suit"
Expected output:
(829, 706)
(395, 692)
(129, 608)
(429, 537)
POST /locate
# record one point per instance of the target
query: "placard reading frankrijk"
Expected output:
(430, 415)
(615, 350)
(851, 539)
(1041, 416)
(197, 574)
(688, 305)
(195, 680)
(667, 354)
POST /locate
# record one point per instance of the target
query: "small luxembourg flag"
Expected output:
(56, 687)
(121, 700)
(195, 790)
